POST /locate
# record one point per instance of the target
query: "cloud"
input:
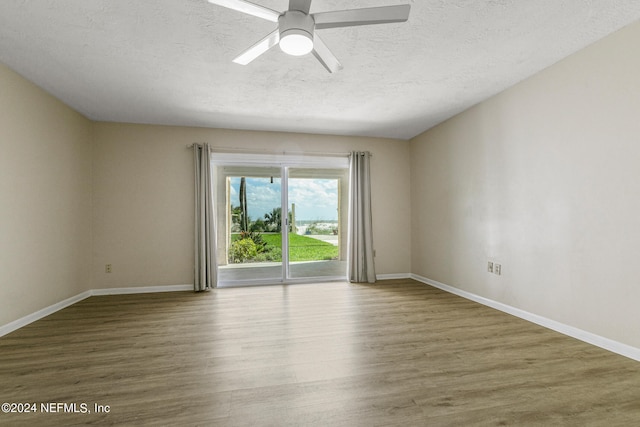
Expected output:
(262, 196)
(315, 199)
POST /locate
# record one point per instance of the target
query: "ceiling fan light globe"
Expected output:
(296, 42)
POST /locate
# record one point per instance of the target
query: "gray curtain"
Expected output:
(361, 263)
(206, 267)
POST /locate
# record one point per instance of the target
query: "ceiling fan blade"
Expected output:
(324, 55)
(301, 5)
(366, 16)
(259, 48)
(249, 8)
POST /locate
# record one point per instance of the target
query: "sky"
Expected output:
(315, 199)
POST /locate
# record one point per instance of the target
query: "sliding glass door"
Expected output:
(317, 206)
(252, 225)
(280, 223)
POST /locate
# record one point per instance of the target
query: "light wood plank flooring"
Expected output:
(332, 354)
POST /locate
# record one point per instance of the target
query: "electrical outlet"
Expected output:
(497, 268)
(107, 268)
(490, 267)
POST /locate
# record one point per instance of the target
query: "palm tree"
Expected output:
(273, 220)
(244, 217)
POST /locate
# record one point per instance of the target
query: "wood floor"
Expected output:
(395, 353)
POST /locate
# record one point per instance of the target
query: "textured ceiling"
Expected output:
(169, 61)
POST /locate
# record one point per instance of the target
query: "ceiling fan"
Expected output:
(296, 33)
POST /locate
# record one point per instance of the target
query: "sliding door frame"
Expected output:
(285, 163)
(284, 219)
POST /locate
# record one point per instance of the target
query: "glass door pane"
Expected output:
(252, 225)
(317, 210)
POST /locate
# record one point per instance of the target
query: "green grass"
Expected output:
(301, 248)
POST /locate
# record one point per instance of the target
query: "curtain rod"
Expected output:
(250, 151)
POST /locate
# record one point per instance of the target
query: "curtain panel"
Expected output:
(205, 267)
(361, 260)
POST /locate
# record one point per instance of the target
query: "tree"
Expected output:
(244, 218)
(273, 220)
(258, 225)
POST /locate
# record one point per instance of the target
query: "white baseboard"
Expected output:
(30, 318)
(588, 337)
(24, 321)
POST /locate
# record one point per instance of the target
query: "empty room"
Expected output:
(319, 213)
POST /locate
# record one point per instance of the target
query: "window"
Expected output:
(280, 218)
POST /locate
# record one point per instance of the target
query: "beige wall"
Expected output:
(143, 198)
(544, 178)
(45, 199)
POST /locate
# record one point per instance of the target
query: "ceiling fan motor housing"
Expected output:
(297, 24)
